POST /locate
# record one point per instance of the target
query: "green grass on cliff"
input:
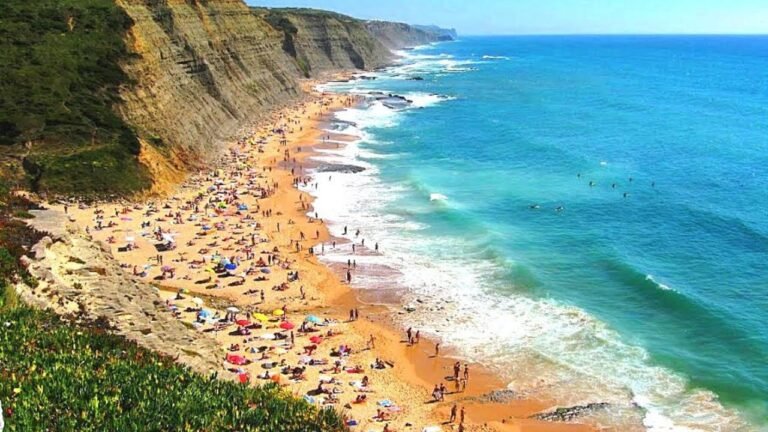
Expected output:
(58, 376)
(59, 63)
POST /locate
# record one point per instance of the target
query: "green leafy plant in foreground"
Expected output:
(58, 376)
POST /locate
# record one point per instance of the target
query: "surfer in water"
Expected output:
(559, 208)
(534, 207)
(626, 194)
(591, 183)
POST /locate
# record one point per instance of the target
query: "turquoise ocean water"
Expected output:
(587, 215)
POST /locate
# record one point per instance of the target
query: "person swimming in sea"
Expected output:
(559, 208)
(626, 194)
(534, 206)
(591, 183)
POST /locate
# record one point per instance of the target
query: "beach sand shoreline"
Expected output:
(416, 370)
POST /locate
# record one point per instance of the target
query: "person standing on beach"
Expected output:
(454, 408)
(409, 334)
(466, 372)
(349, 277)
(461, 416)
(437, 349)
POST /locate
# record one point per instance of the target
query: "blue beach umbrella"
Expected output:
(265, 270)
(205, 313)
(230, 266)
(313, 319)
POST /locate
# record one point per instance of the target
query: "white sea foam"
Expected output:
(492, 57)
(545, 348)
(437, 197)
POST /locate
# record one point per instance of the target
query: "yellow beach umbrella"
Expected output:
(260, 317)
(278, 312)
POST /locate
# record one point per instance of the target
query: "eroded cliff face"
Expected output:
(199, 69)
(399, 35)
(321, 41)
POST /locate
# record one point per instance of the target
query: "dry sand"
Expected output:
(408, 384)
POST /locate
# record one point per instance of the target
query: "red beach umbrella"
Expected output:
(316, 339)
(286, 325)
(243, 323)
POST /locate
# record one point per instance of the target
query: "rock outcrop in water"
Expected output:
(571, 413)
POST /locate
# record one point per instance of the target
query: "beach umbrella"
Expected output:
(166, 268)
(182, 290)
(243, 323)
(130, 239)
(313, 319)
(230, 266)
(198, 301)
(260, 317)
(236, 359)
(268, 336)
(278, 312)
(285, 325)
(265, 270)
(316, 339)
(233, 309)
(205, 313)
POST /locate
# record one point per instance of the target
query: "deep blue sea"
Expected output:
(588, 215)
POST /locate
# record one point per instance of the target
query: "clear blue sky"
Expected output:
(558, 16)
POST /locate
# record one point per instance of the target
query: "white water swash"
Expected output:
(543, 347)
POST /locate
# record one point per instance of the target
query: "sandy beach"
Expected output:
(231, 251)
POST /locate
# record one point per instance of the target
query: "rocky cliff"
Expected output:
(400, 35)
(199, 69)
(120, 93)
(321, 41)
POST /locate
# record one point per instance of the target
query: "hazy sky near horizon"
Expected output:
(558, 16)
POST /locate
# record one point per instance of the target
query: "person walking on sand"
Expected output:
(372, 342)
(349, 277)
(456, 370)
(409, 334)
(437, 349)
(454, 408)
(466, 372)
(418, 336)
(461, 416)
